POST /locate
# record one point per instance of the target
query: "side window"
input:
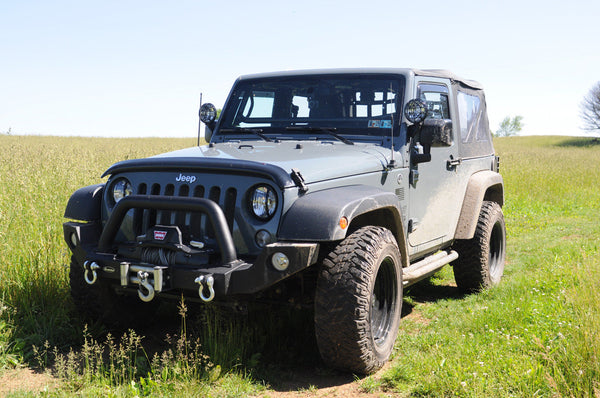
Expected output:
(470, 118)
(474, 128)
(436, 98)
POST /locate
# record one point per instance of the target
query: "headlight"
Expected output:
(120, 189)
(263, 202)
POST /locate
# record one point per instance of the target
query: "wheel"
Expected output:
(100, 302)
(358, 301)
(480, 262)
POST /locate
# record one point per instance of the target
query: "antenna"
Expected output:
(199, 121)
(392, 162)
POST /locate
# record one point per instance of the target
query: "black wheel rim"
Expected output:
(383, 301)
(496, 255)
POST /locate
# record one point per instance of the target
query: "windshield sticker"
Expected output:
(380, 124)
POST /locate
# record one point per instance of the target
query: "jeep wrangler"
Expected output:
(349, 185)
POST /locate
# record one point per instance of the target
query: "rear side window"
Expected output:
(470, 115)
(474, 127)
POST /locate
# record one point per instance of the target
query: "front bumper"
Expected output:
(194, 272)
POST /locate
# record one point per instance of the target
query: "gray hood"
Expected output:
(316, 160)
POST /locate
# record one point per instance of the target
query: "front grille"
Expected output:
(194, 226)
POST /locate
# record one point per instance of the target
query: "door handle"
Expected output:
(451, 163)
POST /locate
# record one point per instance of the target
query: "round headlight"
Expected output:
(263, 202)
(121, 188)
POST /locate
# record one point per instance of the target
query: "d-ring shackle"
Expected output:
(90, 266)
(210, 281)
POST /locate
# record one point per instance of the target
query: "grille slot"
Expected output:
(165, 216)
(138, 214)
(194, 226)
(180, 216)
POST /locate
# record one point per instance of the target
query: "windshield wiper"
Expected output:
(257, 132)
(326, 130)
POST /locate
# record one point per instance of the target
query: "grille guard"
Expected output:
(190, 204)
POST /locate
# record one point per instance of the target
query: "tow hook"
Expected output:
(210, 281)
(90, 266)
(149, 279)
(145, 285)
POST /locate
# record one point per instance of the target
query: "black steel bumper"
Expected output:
(94, 248)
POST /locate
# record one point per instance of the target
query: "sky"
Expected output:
(133, 68)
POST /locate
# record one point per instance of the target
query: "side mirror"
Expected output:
(436, 132)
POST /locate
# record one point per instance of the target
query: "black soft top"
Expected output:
(399, 71)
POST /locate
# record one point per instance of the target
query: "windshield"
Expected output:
(352, 104)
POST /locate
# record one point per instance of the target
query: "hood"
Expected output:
(315, 160)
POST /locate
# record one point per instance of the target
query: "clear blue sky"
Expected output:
(136, 68)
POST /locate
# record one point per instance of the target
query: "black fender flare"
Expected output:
(316, 216)
(85, 203)
(483, 185)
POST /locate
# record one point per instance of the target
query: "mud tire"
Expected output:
(480, 264)
(358, 301)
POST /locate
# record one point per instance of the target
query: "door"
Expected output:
(435, 192)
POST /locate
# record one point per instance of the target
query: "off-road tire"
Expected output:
(480, 263)
(100, 302)
(358, 301)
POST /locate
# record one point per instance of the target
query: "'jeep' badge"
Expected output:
(160, 235)
(183, 178)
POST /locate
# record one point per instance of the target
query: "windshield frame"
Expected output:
(354, 126)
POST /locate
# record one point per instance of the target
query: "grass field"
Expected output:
(537, 334)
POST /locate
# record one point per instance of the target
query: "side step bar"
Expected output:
(427, 267)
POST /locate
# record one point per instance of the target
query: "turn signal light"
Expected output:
(343, 223)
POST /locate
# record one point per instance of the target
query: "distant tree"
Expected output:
(510, 126)
(590, 109)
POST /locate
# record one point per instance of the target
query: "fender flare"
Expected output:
(315, 217)
(85, 203)
(483, 185)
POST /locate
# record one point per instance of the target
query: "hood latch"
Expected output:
(299, 180)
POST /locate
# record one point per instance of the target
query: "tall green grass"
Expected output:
(37, 177)
(536, 334)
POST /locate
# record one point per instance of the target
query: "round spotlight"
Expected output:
(208, 113)
(280, 261)
(415, 111)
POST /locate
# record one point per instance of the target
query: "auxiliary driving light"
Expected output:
(415, 110)
(262, 238)
(280, 261)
